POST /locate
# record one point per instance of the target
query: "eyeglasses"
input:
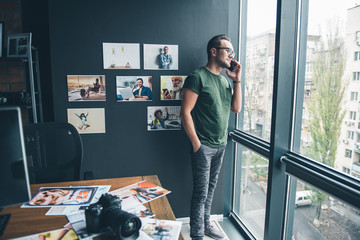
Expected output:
(229, 50)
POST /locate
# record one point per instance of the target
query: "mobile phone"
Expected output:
(232, 65)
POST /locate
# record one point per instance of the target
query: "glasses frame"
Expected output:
(229, 50)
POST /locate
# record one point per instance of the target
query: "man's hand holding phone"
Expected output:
(234, 71)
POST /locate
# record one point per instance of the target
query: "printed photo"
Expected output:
(133, 88)
(161, 229)
(87, 120)
(86, 88)
(63, 234)
(55, 196)
(161, 57)
(163, 118)
(143, 192)
(171, 87)
(121, 55)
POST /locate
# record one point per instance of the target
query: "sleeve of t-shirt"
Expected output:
(193, 82)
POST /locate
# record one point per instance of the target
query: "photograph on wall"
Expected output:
(171, 87)
(161, 57)
(18, 44)
(86, 88)
(87, 120)
(163, 118)
(133, 88)
(121, 55)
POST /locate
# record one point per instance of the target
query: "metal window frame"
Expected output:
(290, 60)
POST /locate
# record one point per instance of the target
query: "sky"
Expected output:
(262, 14)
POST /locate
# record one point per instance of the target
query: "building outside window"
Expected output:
(311, 96)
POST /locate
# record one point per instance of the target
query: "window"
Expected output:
(259, 67)
(357, 38)
(352, 115)
(348, 153)
(296, 139)
(357, 56)
(354, 96)
(356, 76)
(350, 135)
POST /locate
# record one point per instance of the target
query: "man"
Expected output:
(142, 93)
(166, 60)
(208, 99)
(177, 91)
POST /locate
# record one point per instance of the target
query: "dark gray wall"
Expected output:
(77, 31)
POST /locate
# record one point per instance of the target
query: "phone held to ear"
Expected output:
(232, 65)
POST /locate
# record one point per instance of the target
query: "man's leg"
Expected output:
(201, 163)
(216, 163)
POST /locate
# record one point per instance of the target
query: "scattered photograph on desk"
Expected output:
(121, 55)
(87, 120)
(163, 118)
(133, 88)
(86, 88)
(171, 87)
(63, 234)
(143, 192)
(66, 210)
(61, 196)
(161, 57)
(161, 229)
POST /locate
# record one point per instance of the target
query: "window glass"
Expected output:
(260, 50)
(250, 201)
(330, 102)
(317, 215)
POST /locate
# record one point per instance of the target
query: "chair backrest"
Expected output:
(54, 152)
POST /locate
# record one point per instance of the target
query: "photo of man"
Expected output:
(161, 57)
(172, 87)
(133, 88)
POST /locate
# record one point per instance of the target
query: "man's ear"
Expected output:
(213, 51)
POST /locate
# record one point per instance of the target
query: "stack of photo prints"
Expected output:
(120, 56)
(70, 201)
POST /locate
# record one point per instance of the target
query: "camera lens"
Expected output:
(129, 227)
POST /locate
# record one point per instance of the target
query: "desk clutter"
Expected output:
(92, 211)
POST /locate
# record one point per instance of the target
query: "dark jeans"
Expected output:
(206, 165)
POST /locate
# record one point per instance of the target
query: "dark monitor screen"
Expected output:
(14, 180)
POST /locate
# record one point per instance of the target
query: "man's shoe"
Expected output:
(214, 233)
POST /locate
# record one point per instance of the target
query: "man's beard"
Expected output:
(222, 63)
(177, 87)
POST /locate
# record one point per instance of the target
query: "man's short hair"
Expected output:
(139, 79)
(216, 42)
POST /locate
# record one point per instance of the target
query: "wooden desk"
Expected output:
(28, 221)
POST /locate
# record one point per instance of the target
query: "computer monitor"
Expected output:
(14, 180)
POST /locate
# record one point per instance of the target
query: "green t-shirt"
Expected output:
(212, 109)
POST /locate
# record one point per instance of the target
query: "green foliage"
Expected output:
(325, 106)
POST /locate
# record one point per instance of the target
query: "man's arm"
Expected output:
(187, 105)
(235, 76)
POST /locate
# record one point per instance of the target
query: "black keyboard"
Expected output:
(3, 221)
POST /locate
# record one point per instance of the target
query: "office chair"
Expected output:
(54, 152)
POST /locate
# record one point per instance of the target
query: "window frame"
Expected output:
(290, 63)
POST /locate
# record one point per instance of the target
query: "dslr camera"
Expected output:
(107, 213)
